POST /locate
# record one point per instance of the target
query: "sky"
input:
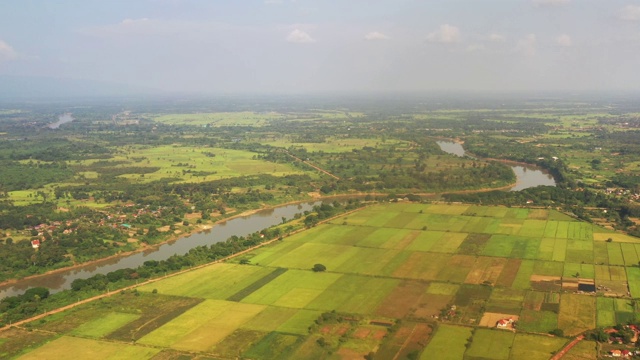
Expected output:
(304, 46)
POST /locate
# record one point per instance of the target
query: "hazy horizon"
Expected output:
(312, 46)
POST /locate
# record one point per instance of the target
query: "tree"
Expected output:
(319, 268)
(557, 332)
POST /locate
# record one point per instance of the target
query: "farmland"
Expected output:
(391, 287)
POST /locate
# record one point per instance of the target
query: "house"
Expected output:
(35, 244)
(504, 323)
(615, 353)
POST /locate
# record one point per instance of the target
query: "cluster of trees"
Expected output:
(18, 176)
(26, 304)
(623, 332)
(326, 211)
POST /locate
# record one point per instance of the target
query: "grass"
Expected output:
(380, 267)
(192, 331)
(537, 321)
(89, 349)
(104, 325)
(218, 281)
(606, 315)
(172, 160)
(295, 288)
(583, 350)
(491, 344)
(256, 285)
(354, 294)
(535, 347)
(303, 257)
(274, 346)
(442, 288)
(633, 276)
(448, 342)
(577, 313)
(220, 118)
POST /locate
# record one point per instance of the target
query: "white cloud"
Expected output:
(550, 2)
(495, 37)
(299, 36)
(273, 2)
(630, 13)
(475, 47)
(374, 35)
(129, 22)
(447, 34)
(142, 26)
(7, 52)
(146, 27)
(564, 40)
(527, 45)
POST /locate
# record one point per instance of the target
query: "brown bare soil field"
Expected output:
(361, 333)
(490, 319)
(613, 288)
(431, 304)
(570, 285)
(509, 273)
(408, 239)
(402, 299)
(537, 278)
(485, 269)
(546, 283)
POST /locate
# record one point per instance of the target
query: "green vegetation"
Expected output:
(274, 305)
(115, 181)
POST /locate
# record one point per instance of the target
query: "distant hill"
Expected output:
(31, 88)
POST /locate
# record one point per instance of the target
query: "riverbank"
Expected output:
(42, 278)
(150, 281)
(147, 247)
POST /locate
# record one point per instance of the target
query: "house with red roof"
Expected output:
(504, 323)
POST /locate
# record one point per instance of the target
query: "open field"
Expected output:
(387, 286)
(89, 349)
(220, 119)
(186, 163)
(449, 342)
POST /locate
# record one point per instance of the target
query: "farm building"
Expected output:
(504, 323)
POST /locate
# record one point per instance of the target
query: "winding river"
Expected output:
(244, 225)
(527, 175)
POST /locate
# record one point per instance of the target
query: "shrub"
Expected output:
(319, 268)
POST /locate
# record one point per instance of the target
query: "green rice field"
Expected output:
(405, 279)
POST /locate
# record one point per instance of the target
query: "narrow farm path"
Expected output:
(566, 349)
(313, 166)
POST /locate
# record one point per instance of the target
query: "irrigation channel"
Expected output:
(61, 280)
(527, 175)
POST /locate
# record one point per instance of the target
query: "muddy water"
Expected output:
(527, 176)
(238, 226)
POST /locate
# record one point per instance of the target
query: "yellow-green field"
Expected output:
(402, 264)
(220, 119)
(334, 144)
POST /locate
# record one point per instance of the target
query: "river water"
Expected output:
(62, 119)
(527, 175)
(239, 226)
